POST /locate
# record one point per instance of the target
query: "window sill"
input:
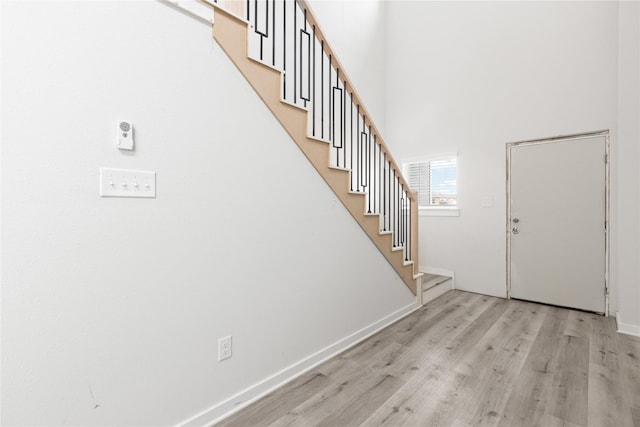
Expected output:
(439, 211)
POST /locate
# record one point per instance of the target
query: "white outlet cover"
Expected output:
(225, 348)
(127, 183)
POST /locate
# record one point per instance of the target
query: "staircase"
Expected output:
(280, 49)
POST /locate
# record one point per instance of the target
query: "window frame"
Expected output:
(433, 210)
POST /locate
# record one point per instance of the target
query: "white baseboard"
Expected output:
(441, 272)
(627, 328)
(240, 400)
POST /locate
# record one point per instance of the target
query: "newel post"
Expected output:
(415, 235)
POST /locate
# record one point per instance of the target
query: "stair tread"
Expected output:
(430, 280)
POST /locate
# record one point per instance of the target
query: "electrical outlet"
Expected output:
(224, 348)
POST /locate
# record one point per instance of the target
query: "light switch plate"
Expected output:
(127, 183)
(487, 202)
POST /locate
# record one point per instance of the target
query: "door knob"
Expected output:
(515, 230)
(515, 220)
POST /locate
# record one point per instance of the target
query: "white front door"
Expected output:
(557, 236)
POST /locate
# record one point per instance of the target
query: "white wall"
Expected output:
(628, 265)
(472, 76)
(356, 30)
(111, 308)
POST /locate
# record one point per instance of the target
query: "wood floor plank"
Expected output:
(551, 421)
(420, 397)
(428, 312)
(400, 361)
(486, 397)
(446, 321)
(569, 392)
(470, 360)
(530, 396)
(357, 409)
(578, 324)
(629, 356)
(473, 365)
(608, 403)
(635, 417)
(344, 398)
(279, 402)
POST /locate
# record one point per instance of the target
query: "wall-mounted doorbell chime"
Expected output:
(125, 136)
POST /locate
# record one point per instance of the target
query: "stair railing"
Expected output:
(285, 35)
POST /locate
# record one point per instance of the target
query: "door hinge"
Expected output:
(606, 159)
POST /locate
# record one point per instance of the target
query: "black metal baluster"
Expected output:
(399, 200)
(337, 137)
(337, 143)
(390, 201)
(332, 115)
(313, 100)
(380, 179)
(305, 47)
(375, 185)
(330, 99)
(384, 191)
(395, 212)
(258, 27)
(392, 205)
(402, 217)
(344, 124)
(399, 212)
(295, 52)
(364, 154)
(322, 89)
(284, 48)
(409, 235)
(358, 151)
(396, 199)
(248, 9)
(371, 179)
(406, 227)
(351, 141)
(273, 37)
(308, 39)
(401, 225)
(389, 196)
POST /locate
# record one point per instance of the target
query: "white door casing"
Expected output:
(557, 213)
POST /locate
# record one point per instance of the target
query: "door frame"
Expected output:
(607, 204)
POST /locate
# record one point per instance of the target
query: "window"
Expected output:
(436, 182)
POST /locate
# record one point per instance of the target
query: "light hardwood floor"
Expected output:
(469, 360)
